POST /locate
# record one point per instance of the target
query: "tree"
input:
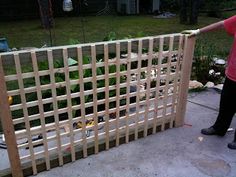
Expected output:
(189, 11)
(213, 8)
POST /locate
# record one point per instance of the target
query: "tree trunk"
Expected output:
(189, 11)
(183, 11)
(194, 6)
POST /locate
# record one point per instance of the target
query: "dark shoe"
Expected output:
(232, 145)
(210, 131)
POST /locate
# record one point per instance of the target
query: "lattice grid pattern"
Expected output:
(67, 99)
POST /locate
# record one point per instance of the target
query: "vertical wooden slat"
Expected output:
(95, 99)
(117, 93)
(69, 102)
(165, 99)
(25, 111)
(106, 58)
(8, 128)
(82, 100)
(157, 90)
(55, 105)
(150, 54)
(140, 47)
(128, 92)
(41, 110)
(177, 69)
(185, 76)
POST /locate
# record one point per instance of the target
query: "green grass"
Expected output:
(31, 34)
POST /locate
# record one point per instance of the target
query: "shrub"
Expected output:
(203, 61)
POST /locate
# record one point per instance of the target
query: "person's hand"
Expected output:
(191, 33)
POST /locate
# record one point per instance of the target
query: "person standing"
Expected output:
(228, 95)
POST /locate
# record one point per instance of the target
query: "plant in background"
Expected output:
(73, 41)
(203, 61)
(110, 37)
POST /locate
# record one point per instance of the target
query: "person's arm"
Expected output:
(211, 27)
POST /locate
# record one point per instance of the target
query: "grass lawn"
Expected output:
(30, 33)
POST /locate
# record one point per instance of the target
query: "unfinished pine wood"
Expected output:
(25, 111)
(7, 57)
(8, 128)
(90, 140)
(95, 110)
(107, 117)
(55, 106)
(148, 110)
(117, 93)
(165, 100)
(69, 103)
(150, 52)
(41, 110)
(177, 70)
(158, 78)
(82, 100)
(74, 82)
(138, 89)
(128, 80)
(185, 77)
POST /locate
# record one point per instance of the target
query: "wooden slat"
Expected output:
(185, 76)
(128, 80)
(117, 92)
(140, 48)
(13, 77)
(53, 137)
(102, 136)
(69, 102)
(161, 43)
(7, 56)
(177, 69)
(74, 82)
(25, 111)
(82, 100)
(94, 83)
(41, 109)
(165, 100)
(36, 130)
(8, 128)
(150, 51)
(75, 95)
(55, 106)
(107, 117)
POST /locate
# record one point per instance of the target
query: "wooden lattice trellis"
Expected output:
(67, 99)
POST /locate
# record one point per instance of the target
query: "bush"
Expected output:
(203, 61)
(214, 8)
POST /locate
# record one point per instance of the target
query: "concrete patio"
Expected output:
(177, 152)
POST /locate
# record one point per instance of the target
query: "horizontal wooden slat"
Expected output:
(101, 136)
(86, 66)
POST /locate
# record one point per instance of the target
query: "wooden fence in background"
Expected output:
(69, 100)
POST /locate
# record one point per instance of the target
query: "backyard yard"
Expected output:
(98, 88)
(70, 30)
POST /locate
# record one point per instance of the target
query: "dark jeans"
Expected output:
(227, 107)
